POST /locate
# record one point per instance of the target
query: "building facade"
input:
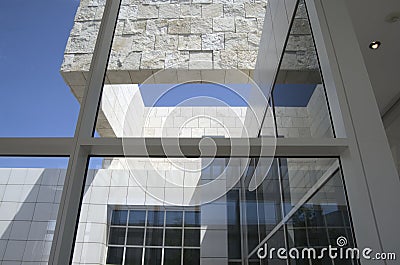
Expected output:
(209, 130)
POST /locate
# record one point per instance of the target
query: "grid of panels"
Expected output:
(154, 237)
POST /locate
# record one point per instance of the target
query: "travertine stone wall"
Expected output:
(197, 34)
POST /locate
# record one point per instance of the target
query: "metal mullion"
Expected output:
(68, 214)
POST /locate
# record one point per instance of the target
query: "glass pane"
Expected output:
(30, 194)
(154, 237)
(115, 255)
(152, 256)
(191, 256)
(234, 231)
(155, 218)
(133, 256)
(220, 226)
(117, 236)
(173, 237)
(174, 218)
(299, 99)
(137, 218)
(192, 238)
(119, 217)
(135, 236)
(309, 226)
(299, 175)
(192, 218)
(172, 256)
(37, 101)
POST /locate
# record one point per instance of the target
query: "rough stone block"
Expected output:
(245, 25)
(189, 42)
(255, 10)
(213, 42)
(156, 26)
(233, 10)
(143, 43)
(225, 24)
(169, 11)
(147, 12)
(211, 11)
(179, 26)
(247, 59)
(201, 25)
(128, 12)
(152, 59)
(200, 60)
(254, 41)
(190, 10)
(236, 41)
(132, 27)
(177, 59)
(226, 59)
(167, 42)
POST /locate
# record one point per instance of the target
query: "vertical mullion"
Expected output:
(68, 214)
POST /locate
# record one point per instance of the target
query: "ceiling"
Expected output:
(383, 64)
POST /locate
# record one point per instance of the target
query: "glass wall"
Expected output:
(30, 194)
(151, 213)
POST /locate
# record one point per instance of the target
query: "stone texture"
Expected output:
(255, 10)
(189, 42)
(213, 42)
(236, 41)
(245, 25)
(234, 10)
(225, 24)
(177, 59)
(152, 59)
(147, 11)
(169, 11)
(156, 26)
(201, 25)
(167, 42)
(179, 26)
(132, 27)
(193, 10)
(211, 11)
(226, 59)
(246, 59)
(200, 60)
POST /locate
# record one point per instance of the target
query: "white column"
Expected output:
(372, 183)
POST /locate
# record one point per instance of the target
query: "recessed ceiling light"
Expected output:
(374, 45)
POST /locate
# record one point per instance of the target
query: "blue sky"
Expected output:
(34, 98)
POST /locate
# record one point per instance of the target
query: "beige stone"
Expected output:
(247, 59)
(179, 26)
(157, 26)
(167, 42)
(132, 27)
(200, 60)
(177, 59)
(225, 24)
(246, 25)
(213, 42)
(201, 25)
(147, 11)
(255, 10)
(169, 11)
(211, 11)
(234, 10)
(236, 41)
(189, 42)
(226, 59)
(152, 60)
(190, 10)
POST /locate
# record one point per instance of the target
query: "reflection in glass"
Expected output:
(300, 103)
(152, 256)
(172, 256)
(137, 218)
(133, 256)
